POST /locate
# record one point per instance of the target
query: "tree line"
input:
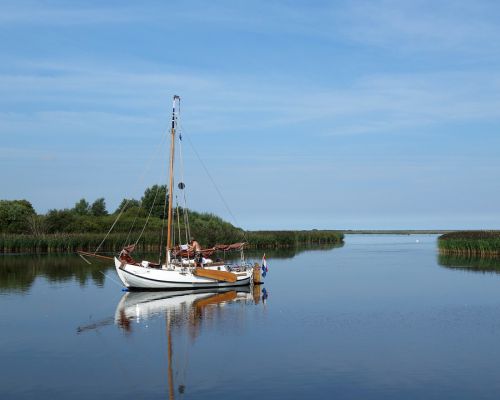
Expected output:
(85, 225)
(19, 216)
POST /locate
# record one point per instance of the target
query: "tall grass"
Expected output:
(150, 241)
(277, 239)
(470, 243)
(70, 242)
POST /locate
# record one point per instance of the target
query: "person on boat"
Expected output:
(196, 248)
(125, 254)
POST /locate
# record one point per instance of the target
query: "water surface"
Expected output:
(383, 317)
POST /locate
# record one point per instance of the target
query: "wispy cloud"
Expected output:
(422, 25)
(469, 26)
(276, 90)
(125, 100)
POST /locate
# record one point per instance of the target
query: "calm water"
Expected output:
(383, 317)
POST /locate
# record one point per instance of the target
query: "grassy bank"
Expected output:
(150, 242)
(277, 239)
(470, 243)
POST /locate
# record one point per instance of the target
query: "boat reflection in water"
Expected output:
(182, 309)
(181, 306)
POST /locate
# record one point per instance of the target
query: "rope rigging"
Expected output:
(142, 177)
(149, 215)
(244, 235)
(180, 135)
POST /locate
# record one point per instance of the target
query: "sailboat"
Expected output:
(184, 267)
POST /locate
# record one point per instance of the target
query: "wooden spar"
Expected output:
(84, 253)
(171, 180)
(222, 276)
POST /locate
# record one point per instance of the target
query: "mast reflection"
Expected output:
(182, 310)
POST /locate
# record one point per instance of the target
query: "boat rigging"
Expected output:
(184, 266)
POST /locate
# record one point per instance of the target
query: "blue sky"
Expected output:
(313, 114)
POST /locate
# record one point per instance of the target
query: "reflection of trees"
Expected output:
(17, 273)
(475, 264)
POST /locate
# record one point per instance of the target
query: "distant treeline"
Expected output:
(84, 227)
(470, 243)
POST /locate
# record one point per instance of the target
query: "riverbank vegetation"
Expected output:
(86, 225)
(470, 243)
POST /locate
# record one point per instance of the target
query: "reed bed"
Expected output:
(470, 243)
(277, 239)
(151, 241)
(70, 242)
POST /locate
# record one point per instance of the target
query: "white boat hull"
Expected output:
(139, 277)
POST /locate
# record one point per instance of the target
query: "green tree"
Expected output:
(36, 224)
(82, 207)
(127, 204)
(58, 221)
(154, 197)
(15, 215)
(98, 208)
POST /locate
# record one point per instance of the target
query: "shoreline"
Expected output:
(470, 243)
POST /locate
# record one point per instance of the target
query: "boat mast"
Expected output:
(171, 180)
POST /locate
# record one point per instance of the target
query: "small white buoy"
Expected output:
(417, 241)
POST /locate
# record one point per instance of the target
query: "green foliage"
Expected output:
(58, 221)
(135, 211)
(150, 241)
(84, 227)
(36, 224)
(209, 229)
(154, 197)
(71, 242)
(15, 216)
(275, 239)
(98, 208)
(470, 243)
(127, 204)
(82, 207)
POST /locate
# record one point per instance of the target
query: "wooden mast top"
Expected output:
(171, 178)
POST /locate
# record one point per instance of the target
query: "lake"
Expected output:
(382, 317)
